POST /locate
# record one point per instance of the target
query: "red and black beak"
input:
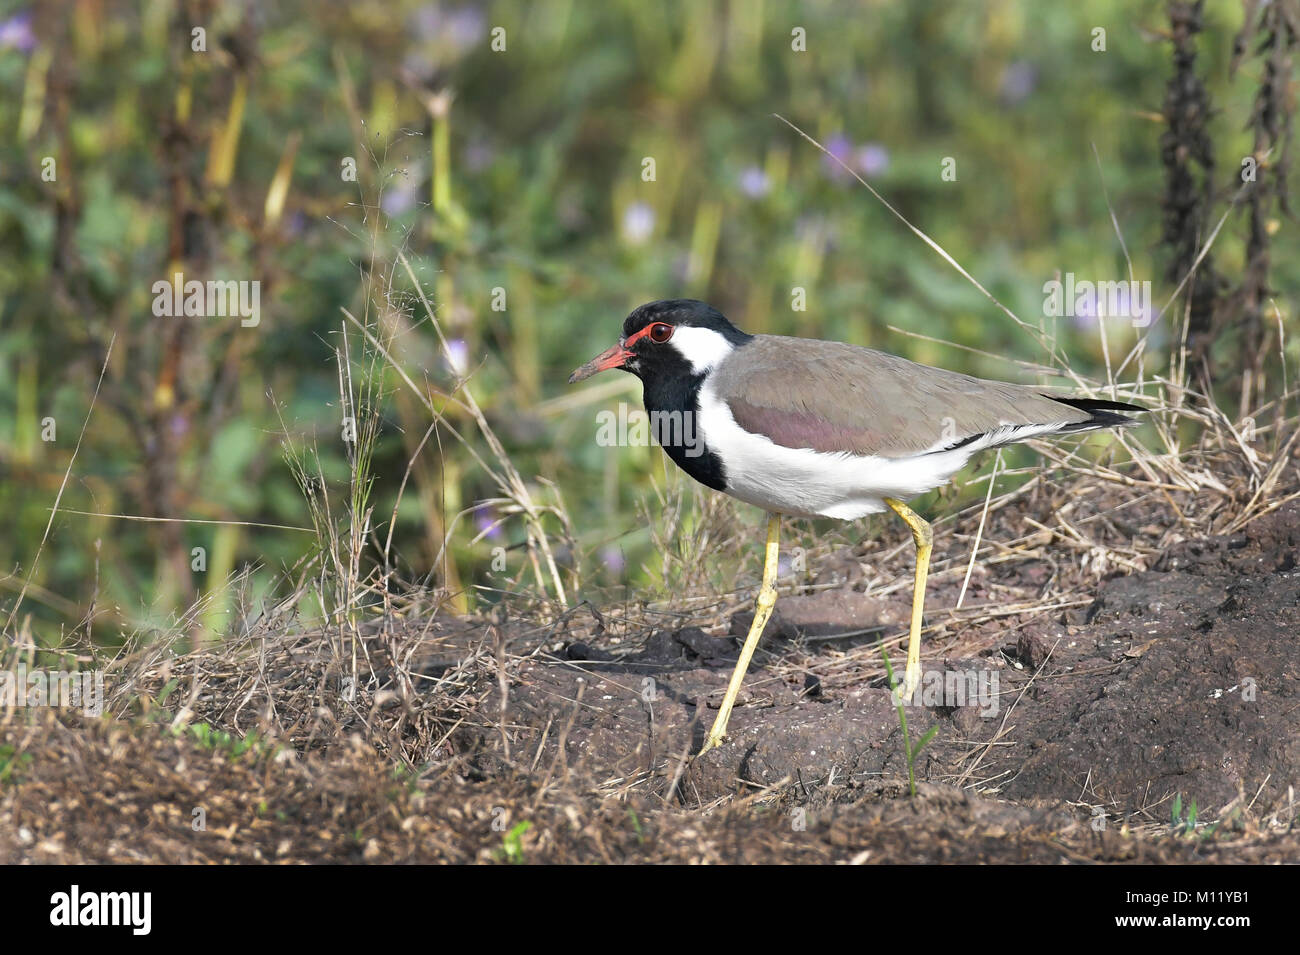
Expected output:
(612, 357)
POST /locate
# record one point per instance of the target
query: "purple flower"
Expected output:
(840, 147)
(16, 32)
(457, 29)
(479, 154)
(485, 519)
(872, 159)
(399, 197)
(1136, 310)
(612, 557)
(638, 223)
(1084, 309)
(420, 65)
(753, 182)
(458, 355)
(1018, 81)
(465, 26)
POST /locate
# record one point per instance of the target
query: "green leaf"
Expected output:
(920, 744)
(166, 690)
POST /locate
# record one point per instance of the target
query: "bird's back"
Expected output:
(840, 397)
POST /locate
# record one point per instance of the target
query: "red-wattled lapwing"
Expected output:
(821, 429)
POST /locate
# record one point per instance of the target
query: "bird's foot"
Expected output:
(716, 738)
(717, 735)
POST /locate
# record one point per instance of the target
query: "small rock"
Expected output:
(842, 567)
(812, 685)
(582, 651)
(831, 613)
(702, 645)
(1032, 649)
(967, 721)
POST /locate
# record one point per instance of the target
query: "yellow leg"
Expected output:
(923, 536)
(762, 611)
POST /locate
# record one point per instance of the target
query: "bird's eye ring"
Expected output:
(660, 332)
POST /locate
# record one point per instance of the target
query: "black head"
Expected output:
(681, 311)
(673, 337)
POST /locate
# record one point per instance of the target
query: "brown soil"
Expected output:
(1177, 683)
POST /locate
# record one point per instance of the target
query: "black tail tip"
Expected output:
(1103, 412)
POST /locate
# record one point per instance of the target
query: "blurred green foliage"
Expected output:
(518, 169)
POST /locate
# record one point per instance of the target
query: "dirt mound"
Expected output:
(1181, 683)
(1068, 729)
(1185, 685)
(103, 792)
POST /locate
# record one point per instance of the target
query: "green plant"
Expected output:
(1185, 825)
(219, 741)
(910, 751)
(167, 689)
(512, 849)
(12, 762)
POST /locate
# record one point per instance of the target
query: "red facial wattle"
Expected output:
(616, 356)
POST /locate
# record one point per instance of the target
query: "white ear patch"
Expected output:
(702, 347)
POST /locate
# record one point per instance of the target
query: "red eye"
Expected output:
(660, 333)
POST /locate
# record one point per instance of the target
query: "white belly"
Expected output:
(806, 483)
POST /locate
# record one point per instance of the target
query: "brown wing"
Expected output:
(830, 396)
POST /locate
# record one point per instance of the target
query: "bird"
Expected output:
(804, 427)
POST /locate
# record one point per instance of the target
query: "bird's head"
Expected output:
(679, 336)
